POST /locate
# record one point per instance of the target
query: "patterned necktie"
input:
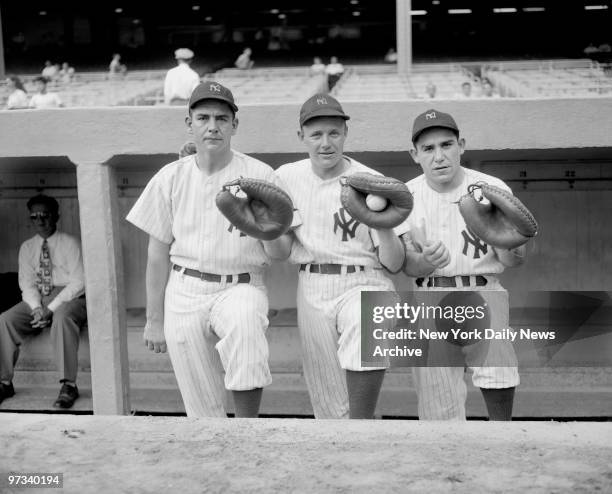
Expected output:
(44, 281)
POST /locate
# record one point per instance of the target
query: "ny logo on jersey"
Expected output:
(215, 87)
(232, 228)
(346, 223)
(473, 240)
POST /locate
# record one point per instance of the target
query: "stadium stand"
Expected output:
(376, 82)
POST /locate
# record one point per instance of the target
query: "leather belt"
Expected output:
(217, 278)
(451, 281)
(329, 268)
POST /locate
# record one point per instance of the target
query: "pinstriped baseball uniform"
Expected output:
(178, 208)
(329, 315)
(442, 391)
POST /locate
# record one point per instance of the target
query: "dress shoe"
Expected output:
(68, 394)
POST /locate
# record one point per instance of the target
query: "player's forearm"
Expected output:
(391, 252)
(416, 265)
(279, 249)
(512, 257)
(158, 269)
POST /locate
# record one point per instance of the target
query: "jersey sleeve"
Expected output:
(278, 180)
(152, 212)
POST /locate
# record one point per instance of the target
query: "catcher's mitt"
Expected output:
(355, 189)
(266, 213)
(504, 223)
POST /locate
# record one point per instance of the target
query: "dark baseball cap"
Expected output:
(321, 105)
(432, 118)
(212, 90)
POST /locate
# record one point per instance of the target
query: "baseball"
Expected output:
(376, 203)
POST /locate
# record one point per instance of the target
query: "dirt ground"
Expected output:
(177, 454)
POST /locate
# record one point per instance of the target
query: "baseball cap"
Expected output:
(183, 54)
(212, 90)
(321, 105)
(432, 118)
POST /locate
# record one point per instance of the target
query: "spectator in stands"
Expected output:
(49, 71)
(43, 98)
(466, 91)
(116, 68)
(334, 71)
(66, 73)
(244, 61)
(591, 49)
(317, 67)
(181, 80)
(430, 90)
(487, 89)
(391, 56)
(53, 287)
(17, 97)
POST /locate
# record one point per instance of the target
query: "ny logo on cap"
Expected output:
(215, 87)
(321, 101)
(430, 115)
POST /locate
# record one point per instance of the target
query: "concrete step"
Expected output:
(288, 396)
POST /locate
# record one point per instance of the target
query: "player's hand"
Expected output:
(41, 317)
(436, 254)
(154, 337)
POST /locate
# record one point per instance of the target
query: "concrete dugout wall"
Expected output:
(556, 155)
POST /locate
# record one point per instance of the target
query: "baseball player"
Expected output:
(441, 254)
(206, 301)
(338, 258)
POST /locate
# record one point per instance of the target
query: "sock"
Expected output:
(246, 403)
(499, 402)
(363, 390)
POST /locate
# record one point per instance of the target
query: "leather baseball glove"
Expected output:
(265, 213)
(355, 189)
(504, 223)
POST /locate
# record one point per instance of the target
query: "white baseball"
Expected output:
(376, 203)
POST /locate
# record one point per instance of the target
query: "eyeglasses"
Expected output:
(40, 215)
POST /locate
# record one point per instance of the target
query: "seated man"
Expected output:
(53, 286)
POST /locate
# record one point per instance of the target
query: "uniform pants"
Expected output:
(67, 321)
(442, 390)
(329, 320)
(211, 327)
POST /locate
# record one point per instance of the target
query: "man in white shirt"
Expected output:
(52, 283)
(43, 99)
(181, 80)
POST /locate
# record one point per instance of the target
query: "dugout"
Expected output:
(555, 154)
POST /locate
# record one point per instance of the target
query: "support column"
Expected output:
(2, 66)
(403, 25)
(103, 263)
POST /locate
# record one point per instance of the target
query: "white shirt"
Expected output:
(17, 99)
(180, 82)
(438, 215)
(327, 233)
(47, 100)
(178, 208)
(66, 269)
(334, 68)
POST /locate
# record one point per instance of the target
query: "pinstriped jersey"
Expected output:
(178, 208)
(328, 234)
(439, 215)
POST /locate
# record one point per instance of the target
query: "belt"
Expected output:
(218, 278)
(329, 268)
(451, 281)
